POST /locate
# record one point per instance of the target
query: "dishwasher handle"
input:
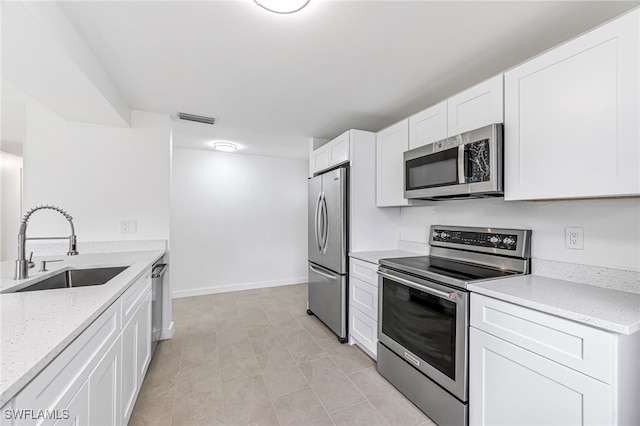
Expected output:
(158, 274)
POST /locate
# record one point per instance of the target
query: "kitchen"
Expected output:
(151, 170)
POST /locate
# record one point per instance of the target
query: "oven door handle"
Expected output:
(426, 289)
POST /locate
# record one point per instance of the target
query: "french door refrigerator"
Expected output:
(328, 217)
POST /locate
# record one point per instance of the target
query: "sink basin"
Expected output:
(76, 278)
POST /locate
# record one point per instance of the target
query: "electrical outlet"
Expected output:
(128, 227)
(574, 238)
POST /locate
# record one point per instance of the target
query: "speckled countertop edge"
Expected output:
(375, 256)
(37, 326)
(604, 308)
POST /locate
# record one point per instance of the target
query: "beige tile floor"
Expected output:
(256, 357)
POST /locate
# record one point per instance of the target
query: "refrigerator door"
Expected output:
(328, 298)
(314, 236)
(334, 224)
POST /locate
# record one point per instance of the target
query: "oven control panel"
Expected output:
(477, 239)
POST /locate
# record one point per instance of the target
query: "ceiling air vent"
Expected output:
(197, 118)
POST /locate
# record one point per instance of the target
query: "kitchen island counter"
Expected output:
(36, 326)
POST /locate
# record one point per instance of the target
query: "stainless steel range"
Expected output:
(423, 327)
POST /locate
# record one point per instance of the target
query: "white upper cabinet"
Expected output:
(478, 106)
(428, 126)
(391, 143)
(331, 154)
(571, 118)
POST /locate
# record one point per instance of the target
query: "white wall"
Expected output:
(611, 226)
(10, 208)
(99, 174)
(237, 222)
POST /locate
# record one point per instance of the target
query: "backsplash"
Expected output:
(60, 248)
(616, 279)
(611, 226)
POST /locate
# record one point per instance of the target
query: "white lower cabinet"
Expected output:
(96, 379)
(104, 389)
(363, 306)
(530, 368)
(136, 354)
(512, 386)
(77, 412)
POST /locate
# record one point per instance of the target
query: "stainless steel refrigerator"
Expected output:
(328, 224)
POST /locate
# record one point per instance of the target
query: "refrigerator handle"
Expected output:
(325, 211)
(324, 274)
(316, 225)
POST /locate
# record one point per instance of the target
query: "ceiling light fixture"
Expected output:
(282, 6)
(225, 146)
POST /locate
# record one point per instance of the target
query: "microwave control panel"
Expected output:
(477, 239)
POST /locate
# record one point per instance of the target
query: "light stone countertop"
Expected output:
(604, 308)
(37, 325)
(375, 256)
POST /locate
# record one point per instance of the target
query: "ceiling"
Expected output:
(273, 81)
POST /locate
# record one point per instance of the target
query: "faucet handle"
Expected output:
(31, 263)
(43, 264)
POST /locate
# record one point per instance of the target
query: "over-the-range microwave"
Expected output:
(469, 165)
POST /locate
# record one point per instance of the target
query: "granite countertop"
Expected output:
(604, 308)
(375, 256)
(37, 325)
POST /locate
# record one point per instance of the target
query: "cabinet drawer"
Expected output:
(364, 330)
(364, 271)
(580, 347)
(364, 297)
(134, 296)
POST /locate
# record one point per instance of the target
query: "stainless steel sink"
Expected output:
(76, 278)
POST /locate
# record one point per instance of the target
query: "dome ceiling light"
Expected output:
(282, 6)
(225, 146)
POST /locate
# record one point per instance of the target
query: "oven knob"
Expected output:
(444, 235)
(435, 234)
(508, 241)
(494, 240)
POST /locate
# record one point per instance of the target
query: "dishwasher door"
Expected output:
(157, 275)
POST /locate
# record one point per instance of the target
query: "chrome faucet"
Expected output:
(22, 264)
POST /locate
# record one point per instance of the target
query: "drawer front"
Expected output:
(577, 346)
(364, 271)
(364, 330)
(363, 297)
(133, 297)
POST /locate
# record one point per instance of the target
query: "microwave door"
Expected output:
(435, 174)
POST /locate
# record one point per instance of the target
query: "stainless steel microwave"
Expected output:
(464, 166)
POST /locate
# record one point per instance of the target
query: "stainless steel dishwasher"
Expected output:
(157, 274)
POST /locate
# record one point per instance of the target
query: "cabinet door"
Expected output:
(391, 143)
(129, 375)
(319, 159)
(104, 389)
(476, 107)
(338, 149)
(428, 126)
(77, 412)
(509, 385)
(143, 318)
(571, 118)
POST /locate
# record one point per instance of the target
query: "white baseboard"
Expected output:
(175, 294)
(167, 332)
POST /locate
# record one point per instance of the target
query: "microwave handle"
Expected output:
(462, 175)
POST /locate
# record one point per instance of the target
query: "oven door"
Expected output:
(426, 324)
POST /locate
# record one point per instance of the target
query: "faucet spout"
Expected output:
(22, 265)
